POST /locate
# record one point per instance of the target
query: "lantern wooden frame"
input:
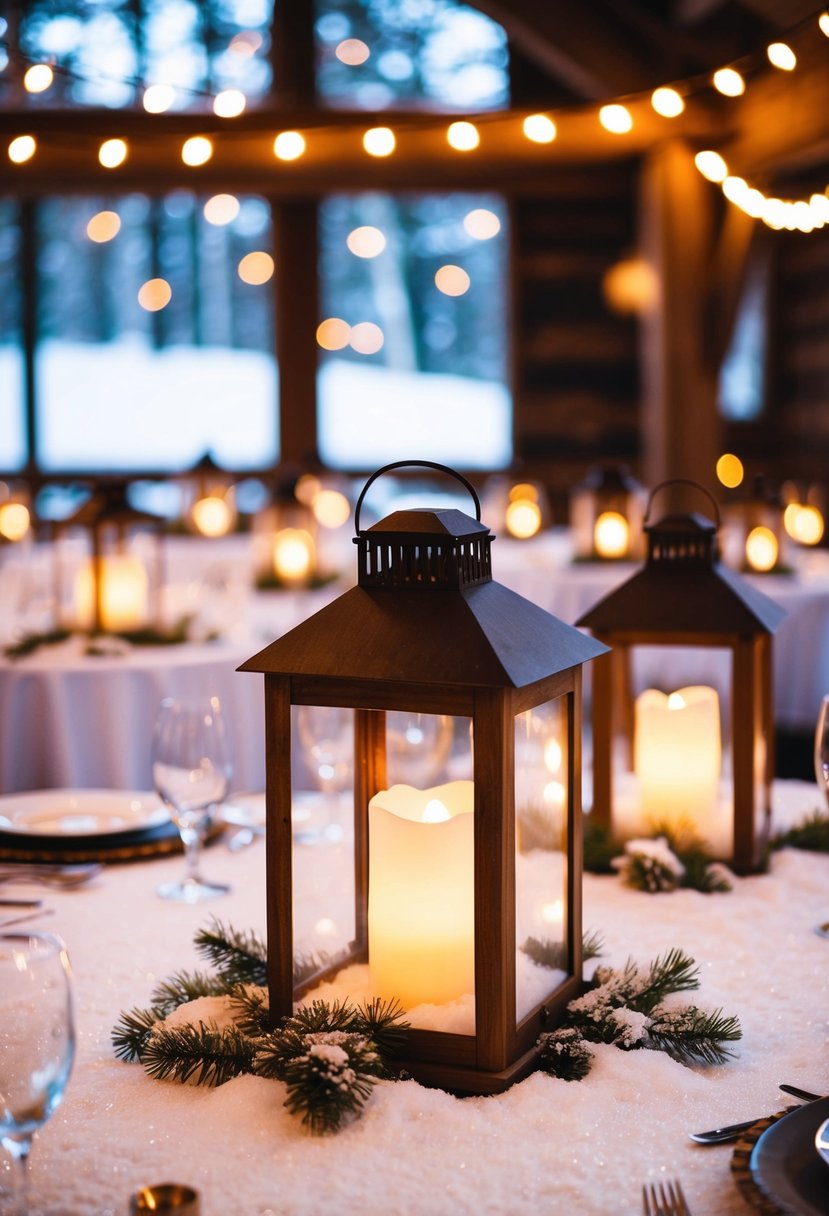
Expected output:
(107, 519)
(609, 488)
(427, 630)
(683, 596)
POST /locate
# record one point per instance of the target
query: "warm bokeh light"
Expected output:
(158, 98)
(819, 205)
(748, 199)
(729, 82)
(711, 165)
(452, 280)
(230, 103)
(611, 534)
(22, 148)
(774, 213)
(155, 294)
(221, 209)
(307, 488)
(245, 43)
(735, 189)
(630, 286)
(333, 333)
(256, 268)
(523, 489)
(196, 151)
(331, 508)
(730, 471)
(522, 518)
(540, 128)
(366, 338)
(379, 141)
(462, 136)
(14, 520)
(212, 515)
(616, 119)
(38, 78)
(483, 224)
(352, 52)
(293, 555)
(112, 153)
(366, 242)
(804, 523)
(761, 549)
(288, 145)
(781, 56)
(667, 102)
(823, 22)
(103, 226)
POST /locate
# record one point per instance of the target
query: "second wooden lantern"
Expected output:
(423, 737)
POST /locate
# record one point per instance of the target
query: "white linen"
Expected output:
(544, 1146)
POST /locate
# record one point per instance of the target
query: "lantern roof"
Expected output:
(111, 506)
(428, 613)
(684, 588)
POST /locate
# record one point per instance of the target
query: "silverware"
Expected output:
(20, 903)
(18, 920)
(722, 1135)
(49, 875)
(664, 1199)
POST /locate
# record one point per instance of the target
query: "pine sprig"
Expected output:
(691, 1034)
(812, 833)
(208, 1056)
(553, 954)
(669, 973)
(240, 958)
(382, 1023)
(131, 1032)
(186, 986)
(330, 1080)
(251, 1011)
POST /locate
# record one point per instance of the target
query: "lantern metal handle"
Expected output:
(421, 464)
(682, 481)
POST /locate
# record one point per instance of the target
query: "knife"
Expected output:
(722, 1135)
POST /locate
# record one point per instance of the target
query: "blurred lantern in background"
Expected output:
(520, 509)
(287, 530)
(15, 513)
(108, 565)
(210, 499)
(661, 759)
(606, 512)
(752, 532)
(803, 513)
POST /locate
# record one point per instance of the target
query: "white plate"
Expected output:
(822, 1140)
(81, 812)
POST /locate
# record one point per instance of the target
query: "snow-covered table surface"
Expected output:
(545, 1146)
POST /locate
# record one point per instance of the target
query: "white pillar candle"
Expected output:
(421, 902)
(293, 555)
(124, 594)
(678, 754)
(611, 534)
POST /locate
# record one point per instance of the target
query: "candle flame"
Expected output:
(435, 812)
(676, 701)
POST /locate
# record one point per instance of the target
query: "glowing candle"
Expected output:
(293, 555)
(421, 903)
(611, 534)
(124, 585)
(677, 755)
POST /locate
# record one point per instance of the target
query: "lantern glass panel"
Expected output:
(541, 809)
(323, 836)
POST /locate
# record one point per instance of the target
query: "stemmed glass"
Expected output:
(822, 770)
(191, 772)
(37, 1041)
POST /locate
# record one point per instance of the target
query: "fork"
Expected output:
(664, 1199)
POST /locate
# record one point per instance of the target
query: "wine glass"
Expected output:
(822, 770)
(37, 1041)
(191, 772)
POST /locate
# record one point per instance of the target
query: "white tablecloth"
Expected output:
(545, 1146)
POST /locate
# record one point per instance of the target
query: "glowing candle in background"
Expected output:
(678, 755)
(124, 594)
(293, 555)
(421, 904)
(611, 535)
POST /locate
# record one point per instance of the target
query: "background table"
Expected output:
(545, 1146)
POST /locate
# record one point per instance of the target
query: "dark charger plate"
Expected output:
(115, 846)
(777, 1167)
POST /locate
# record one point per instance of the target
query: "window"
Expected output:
(12, 442)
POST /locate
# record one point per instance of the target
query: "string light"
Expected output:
(333, 333)
(103, 227)
(256, 268)
(289, 145)
(230, 103)
(196, 151)
(823, 23)
(22, 148)
(667, 102)
(158, 98)
(616, 118)
(366, 338)
(38, 78)
(730, 471)
(463, 136)
(366, 242)
(711, 165)
(781, 56)
(539, 128)
(112, 153)
(482, 224)
(452, 280)
(352, 52)
(155, 294)
(379, 141)
(729, 82)
(221, 209)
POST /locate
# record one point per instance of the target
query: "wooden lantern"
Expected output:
(210, 496)
(285, 537)
(753, 531)
(115, 588)
(657, 758)
(606, 516)
(443, 890)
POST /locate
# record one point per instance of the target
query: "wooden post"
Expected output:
(680, 425)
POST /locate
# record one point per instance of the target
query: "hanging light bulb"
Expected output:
(781, 56)
(616, 118)
(711, 165)
(729, 82)
(667, 102)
